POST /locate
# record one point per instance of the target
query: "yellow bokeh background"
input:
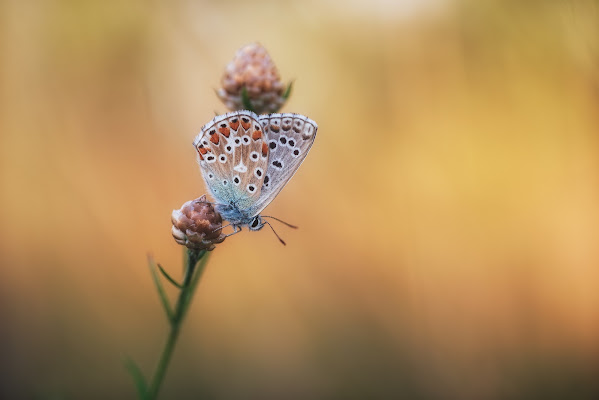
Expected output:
(448, 211)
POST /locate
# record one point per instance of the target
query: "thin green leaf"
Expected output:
(245, 99)
(161, 292)
(168, 277)
(138, 378)
(194, 263)
(288, 90)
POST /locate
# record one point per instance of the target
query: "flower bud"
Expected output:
(252, 81)
(197, 225)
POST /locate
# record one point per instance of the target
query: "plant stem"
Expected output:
(194, 259)
(163, 363)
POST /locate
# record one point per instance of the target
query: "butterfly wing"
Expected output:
(290, 137)
(233, 157)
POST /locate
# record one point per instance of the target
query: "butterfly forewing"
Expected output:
(233, 156)
(289, 138)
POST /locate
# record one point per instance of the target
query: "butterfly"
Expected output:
(247, 159)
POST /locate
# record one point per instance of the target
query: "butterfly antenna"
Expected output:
(283, 222)
(276, 234)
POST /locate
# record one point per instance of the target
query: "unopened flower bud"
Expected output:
(252, 81)
(197, 225)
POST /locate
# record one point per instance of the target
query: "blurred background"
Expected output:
(448, 211)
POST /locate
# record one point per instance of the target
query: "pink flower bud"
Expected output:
(253, 71)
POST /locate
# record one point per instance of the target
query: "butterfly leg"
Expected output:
(211, 203)
(236, 229)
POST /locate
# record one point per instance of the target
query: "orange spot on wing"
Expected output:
(256, 135)
(234, 125)
(246, 125)
(203, 150)
(214, 139)
(264, 149)
(225, 131)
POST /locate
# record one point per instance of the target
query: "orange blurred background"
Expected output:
(448, 211)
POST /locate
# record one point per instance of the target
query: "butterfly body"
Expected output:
(247, 159)
(238, 217)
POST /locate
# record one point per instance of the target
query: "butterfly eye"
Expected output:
(255, 223)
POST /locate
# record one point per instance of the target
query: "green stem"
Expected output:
(194, 266)
(165, 358)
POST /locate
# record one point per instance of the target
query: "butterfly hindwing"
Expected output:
(289, 138)
(233, 156)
